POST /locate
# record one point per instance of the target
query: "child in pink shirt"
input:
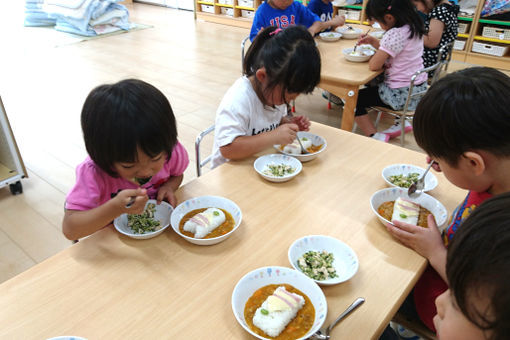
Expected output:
(131, 138)
(400, 53)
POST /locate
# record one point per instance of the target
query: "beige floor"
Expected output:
(43, 88)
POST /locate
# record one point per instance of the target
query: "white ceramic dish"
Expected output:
(345, 260)
(377, 34)
(316, 140)
(330, 36)
(405, 169)
(425, 200)
(261, 164)
(364, 54)
(264, 276)
(348, 33)
(206, 202)
(162, 214)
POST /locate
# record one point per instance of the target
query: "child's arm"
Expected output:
(425, 241)
(319, 26)
(245, 146)
(168, 189)
(78, 224)
(433, 37)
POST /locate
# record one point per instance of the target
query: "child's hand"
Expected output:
(368, 39)
(425, 241)
(166, 192)
(339, 20)
(124, 197)
(302, 122)
(435, 166)
(285, 133)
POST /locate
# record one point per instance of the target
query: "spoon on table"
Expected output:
(417, 187)
(323, 333)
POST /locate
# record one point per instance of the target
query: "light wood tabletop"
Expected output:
(342, 77)
(109, 286)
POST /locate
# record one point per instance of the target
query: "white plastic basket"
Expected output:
(459, 45)
(496, 32)
(342, 12)
(353, 15)
(227, 11)
(490, 49)
(245, 3)
(247, 14)
(207, 8)
(463, 27)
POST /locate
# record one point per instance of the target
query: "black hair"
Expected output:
(478, 265)
(454, 8)
(466, 110)
(403, 11)
(289, 56)
(118, 118)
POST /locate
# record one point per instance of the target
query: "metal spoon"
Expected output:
(323, 334)
(417, 187)
(303, 150)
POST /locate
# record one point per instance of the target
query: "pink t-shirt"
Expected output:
(405, 57)
(94, 187)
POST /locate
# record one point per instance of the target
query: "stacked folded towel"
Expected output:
(35, 15)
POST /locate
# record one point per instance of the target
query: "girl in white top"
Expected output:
(279, 65)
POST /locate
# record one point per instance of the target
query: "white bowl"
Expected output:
(162, 214)
(206, 202)
(262, 162)
(365, 54)
(377, 34)
(348, 33)
(330, 36)
(316, 140)
(264, 276)
(405, 169)
(425, 200)
(345, 260)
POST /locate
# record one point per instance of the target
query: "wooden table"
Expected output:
(342, 77)
(109, 286)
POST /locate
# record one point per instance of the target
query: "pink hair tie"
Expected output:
(276, 31)
(389, 8)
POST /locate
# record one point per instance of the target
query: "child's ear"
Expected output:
(389, 20)
(476, 162)
(261, 74)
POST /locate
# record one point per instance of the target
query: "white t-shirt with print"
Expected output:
(241, 113)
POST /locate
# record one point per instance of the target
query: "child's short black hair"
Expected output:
(289, 56)
(478, 266)
(466, 110)
(118, 118)
(403, 11)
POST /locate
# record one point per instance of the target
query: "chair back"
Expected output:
(201, 163)
(447, 50)
(412, 95)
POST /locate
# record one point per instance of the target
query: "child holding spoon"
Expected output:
(131, 137)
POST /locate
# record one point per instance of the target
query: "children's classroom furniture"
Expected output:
(12, 169)
(108, 286)
(199, 162)
(480, 41)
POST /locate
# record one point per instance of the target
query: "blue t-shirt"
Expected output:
(324, 11)
(295, 14)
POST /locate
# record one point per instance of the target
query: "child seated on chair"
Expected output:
(400, 53)
(279, 65)
(285, 13)
(463, 124)
(131, 138)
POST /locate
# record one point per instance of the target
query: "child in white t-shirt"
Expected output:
(279, 65)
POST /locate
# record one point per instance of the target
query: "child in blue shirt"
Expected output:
(322, 8)
(284, 13)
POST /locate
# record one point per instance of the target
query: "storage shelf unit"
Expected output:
(473, 35)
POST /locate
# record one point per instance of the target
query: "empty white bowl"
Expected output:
(316, 140)
(425, 200)
(345, 260)
(347, 33)
(264, 276)
(405, 169)
(377, 34)
(206, 202)
(330, 36)
(362, 54)
(162, 214)
(261, 164)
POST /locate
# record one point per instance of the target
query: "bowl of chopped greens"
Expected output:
(324, 259)
(277, 167)
(330, 36)
(152, 222)
(403, 175)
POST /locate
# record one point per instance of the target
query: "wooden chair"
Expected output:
(199, 163)
(405, 113)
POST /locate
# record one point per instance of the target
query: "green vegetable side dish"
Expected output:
(317, 265)
(145, 222)
(264, 311)
(404, 181)
(278, 170)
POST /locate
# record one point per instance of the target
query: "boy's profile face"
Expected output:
(451, 323)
